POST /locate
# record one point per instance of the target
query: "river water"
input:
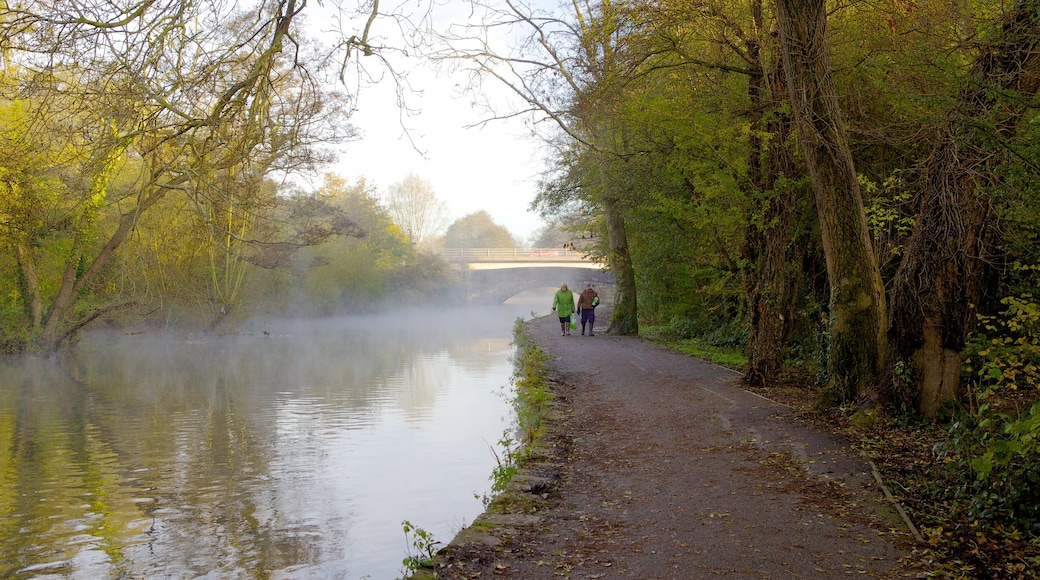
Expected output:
(289, 450)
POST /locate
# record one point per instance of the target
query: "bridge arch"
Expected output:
(499, 284)
(497, 274)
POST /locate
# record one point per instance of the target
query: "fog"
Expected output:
(289, 448)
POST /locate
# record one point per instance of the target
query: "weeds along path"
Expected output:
(659, 466)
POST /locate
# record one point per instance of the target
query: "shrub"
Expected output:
(993, 451)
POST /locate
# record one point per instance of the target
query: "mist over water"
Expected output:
(293, 449)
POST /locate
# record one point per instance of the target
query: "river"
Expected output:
(287, 450)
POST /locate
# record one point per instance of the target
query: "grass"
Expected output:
(728, 356)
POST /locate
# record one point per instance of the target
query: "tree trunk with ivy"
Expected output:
(30, 283)
(59, 325)
(772, 274)
(945, 272)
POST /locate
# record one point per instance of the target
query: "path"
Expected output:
(661, 467)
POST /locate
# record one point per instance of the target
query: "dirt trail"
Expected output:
(660, 466)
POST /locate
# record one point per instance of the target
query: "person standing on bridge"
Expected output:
(588, 300)
(563, 306)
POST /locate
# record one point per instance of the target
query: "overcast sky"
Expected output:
(493, 167)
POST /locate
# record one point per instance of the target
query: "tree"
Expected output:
(156, 91)
(730, 124)
(946, 272)
(556, 234)
(350, 272)
(858, 343)
(477, 230)
(415, 207)
(25, 194)
(777, 196)
(567, 71)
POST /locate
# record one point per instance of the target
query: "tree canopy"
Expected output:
(145, 150)
(477, 230)
(416, 208)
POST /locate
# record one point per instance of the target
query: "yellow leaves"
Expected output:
(107, 170)
(1008, 355)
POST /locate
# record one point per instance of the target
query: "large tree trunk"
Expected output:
(771, 286)
(771, 277)
(944, 273)
(625, 319)
(857, 325)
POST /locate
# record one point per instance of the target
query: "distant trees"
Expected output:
(551, 235)
(349, 273)
(477, 230)
(415, 207)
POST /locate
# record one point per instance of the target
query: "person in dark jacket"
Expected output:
(588, 300)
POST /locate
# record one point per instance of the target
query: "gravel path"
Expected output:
(660, 466)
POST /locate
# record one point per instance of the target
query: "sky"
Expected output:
(492, 167)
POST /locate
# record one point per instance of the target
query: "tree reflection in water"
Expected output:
(292, 449)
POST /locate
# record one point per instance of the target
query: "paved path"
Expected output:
(660, 466)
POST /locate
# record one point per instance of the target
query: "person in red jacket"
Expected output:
(588, 300)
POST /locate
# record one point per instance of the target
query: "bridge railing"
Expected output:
(518, 254)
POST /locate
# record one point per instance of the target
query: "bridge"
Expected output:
(497, 274)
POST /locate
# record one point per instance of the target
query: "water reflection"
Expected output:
(290, 451)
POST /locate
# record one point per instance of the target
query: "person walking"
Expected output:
(588, 300)
(563, 306)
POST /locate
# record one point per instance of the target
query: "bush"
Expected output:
(1005, 354)
(682, 328)
(724, 333)
(995, 459)
(993, 452)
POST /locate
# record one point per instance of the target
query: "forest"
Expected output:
(845, 192)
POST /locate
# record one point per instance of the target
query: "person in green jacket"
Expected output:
(563, 306)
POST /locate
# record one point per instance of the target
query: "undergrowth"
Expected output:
(991, 453)
(530, 403)
(724, 354)
(530, 376)
(423, 547)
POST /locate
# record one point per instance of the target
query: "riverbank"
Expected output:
(657, 465)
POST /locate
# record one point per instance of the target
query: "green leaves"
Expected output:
(423, 547)
(1007, 353)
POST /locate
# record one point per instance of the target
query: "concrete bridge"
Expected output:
(497, 274)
